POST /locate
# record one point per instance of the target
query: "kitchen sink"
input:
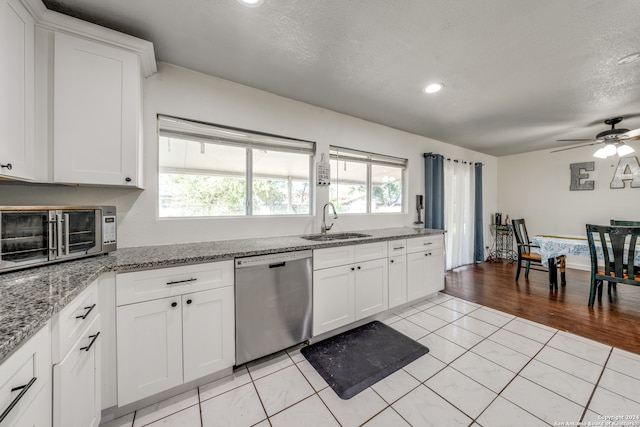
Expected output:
(334, 236)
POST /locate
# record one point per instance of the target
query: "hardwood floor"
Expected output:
(614, 321)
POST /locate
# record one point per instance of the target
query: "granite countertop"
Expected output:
(30, 297)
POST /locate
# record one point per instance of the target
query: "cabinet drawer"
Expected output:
(76, 381)
(397, 247)
(26, 372)
(333, 257)
(419, 244)
(166, 282)
(370, 251)
(69, 324)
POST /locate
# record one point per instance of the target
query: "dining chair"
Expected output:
(615, 263)
(625, 223)
(530, 259)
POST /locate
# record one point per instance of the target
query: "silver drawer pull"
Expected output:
(399, 247)
(95, 337)
(175, 282)
(84, 316)
(428, 243)
(23, 390)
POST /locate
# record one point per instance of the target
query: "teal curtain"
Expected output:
(478, 244)
(434, 191)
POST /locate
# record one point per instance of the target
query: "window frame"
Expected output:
(214, 134)
(372, 159)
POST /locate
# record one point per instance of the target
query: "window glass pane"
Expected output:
(280, 183)
(348, 189)
(201, 179)
(386, 189)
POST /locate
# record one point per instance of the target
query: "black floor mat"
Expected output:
(354, 360)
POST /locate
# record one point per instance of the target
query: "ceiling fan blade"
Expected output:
(631, 134)
(577, 146)
(580, 140)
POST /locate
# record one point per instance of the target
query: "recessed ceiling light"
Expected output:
(433, 88)
(251, 3)
(629, 58)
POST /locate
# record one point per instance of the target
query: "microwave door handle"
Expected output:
(59, 235)
(66, 234)
(52, 237)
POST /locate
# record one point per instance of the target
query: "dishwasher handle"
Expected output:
(277, 264)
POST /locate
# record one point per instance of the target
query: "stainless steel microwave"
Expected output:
(36, 235)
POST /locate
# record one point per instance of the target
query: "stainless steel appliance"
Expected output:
(36, 235)
(273, 303)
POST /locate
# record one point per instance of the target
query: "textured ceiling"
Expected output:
(518, 74)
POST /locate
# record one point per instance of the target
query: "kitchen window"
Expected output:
(363, 182)
(207, 170)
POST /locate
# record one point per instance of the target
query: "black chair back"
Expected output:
(619, 248)
(520, 233)
(624, 223)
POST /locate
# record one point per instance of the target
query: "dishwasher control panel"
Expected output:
(272, 258)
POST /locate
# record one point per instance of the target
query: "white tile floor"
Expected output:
(485, 368)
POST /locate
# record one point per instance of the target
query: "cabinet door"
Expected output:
(76, 382)
(371, 287)
(16, 91)
(37, 414)
(96, 113)
(416, 275)
(208, 332)
(333, 298)
(435, 271)
(397, 280)
(149, 348)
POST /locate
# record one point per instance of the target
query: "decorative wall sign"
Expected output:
(577, 175)
(323, 172)
(628, 170)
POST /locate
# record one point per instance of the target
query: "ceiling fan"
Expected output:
(613, 139)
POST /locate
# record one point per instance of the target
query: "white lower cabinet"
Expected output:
(165, 342)
(208, 336)
(333, 298)
(372, 288)
(397, 280)
(25, 383)
(76, 382)
(76, 358)
(149, 336)
(352, 291)
(425, 266)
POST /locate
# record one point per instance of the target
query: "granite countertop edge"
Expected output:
(32, 296)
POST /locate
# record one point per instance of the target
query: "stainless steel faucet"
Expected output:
(324, 227)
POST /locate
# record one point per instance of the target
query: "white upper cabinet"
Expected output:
(17, 147)
(72, 90)
(97, 102)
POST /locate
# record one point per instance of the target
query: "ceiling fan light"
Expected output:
(610, 150)
(624, 149)
(600, 154)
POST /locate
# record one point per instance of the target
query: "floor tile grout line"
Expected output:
(595, 388)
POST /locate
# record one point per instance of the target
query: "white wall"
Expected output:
(535, 186)
(185, 93)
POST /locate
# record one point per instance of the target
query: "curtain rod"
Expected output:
(454, 160)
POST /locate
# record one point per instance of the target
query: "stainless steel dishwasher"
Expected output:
(273, 303)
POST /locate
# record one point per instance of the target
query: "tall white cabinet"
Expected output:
(17, 144)
(97, 104)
